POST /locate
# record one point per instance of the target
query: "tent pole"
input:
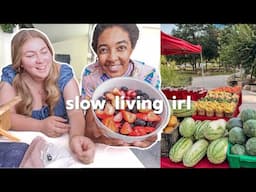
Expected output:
(202, 64)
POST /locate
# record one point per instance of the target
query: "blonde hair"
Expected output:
(50, 84)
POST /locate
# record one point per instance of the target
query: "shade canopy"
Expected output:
(174, 46)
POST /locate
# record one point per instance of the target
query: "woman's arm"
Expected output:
(76, 119)
(52, 126)
(18, 122)
(82, 146)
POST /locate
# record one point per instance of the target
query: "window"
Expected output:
(63, 58)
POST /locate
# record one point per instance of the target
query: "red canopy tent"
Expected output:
(174, 46)
(171, 45)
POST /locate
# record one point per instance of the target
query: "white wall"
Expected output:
(5, 49)
(146, 50)
(148, 45)
(77, 48)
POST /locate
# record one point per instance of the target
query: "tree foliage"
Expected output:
(238, 47)
(205, 35)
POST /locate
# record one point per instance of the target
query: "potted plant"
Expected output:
(7, 28)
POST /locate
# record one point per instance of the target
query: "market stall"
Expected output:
(210, 132)
(193, 129)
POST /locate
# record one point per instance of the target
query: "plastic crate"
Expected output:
(240, 161)
(168, 140)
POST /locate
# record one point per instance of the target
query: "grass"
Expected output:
(173, 78)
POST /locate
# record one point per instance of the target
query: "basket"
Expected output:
(240, 161)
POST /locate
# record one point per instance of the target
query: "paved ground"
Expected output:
(151, 157)
(210, 82)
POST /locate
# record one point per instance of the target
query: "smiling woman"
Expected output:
(44, 85)
(113, 45)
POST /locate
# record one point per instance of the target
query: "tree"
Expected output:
(205, 35)
(238, 46)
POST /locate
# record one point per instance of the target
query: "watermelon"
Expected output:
(179, 148)
(200, 127)
(234, 122)
(187, 127)
(236, 136)
(195, 153)
(247, 114)
(250, 128)
(250, 146)
(237, 149)
(215, 129)
(217, 150)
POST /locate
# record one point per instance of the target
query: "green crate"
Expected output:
(240, 161)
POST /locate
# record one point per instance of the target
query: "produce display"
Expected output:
(234, 90)
(242, 140)
(217, 103)
(215, 130)
(184, 111)
(172, 124)
(200, 139)
(182, 93)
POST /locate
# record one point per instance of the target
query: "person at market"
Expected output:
(43, 85)
(113, 45)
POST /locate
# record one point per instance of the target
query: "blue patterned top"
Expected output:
(93, 76)
(66, 74)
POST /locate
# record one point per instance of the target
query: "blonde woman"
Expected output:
(44, 87)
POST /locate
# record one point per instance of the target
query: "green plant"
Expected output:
(7, 28)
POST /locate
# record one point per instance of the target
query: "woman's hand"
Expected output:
(54, 126)
(118, 142)
(83, 148)
(146, 143)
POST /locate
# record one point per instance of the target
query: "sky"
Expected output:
(167, 28)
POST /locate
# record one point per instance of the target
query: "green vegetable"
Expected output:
(234, 122)
(217, 150)
(237, 149)
(250, 146)
(179, 148)
(247, 114)
(195, 153)
(250, 128)
(236, 136)
(187, 127)
(215, 130)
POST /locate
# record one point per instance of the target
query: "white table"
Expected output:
(105, 156)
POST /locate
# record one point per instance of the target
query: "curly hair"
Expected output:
(50, 84)
(131, 29)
